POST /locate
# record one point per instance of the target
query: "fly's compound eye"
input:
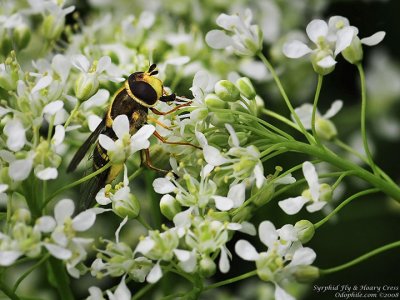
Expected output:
(143, 92)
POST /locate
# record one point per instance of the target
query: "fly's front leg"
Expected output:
(164, 140)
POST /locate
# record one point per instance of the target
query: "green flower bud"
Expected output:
(6, 45)
(315, 58)
(129, 207)
(213, 101)
(325, 192)
(325, 129)
(221, 216)
(207, 267)
(306, 274)
(219, 138)
(220, 119)
(21, 36)
(354, 53)
(246, 88)
(305, 230)
(243, 214)
(169, 206)
(227, 91)
(52, 27)
(86, 86)
(267, 191)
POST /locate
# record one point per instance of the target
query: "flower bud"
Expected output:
(213, 101)
(220, 119)
(221, 216)
(325, 192)
(6, 45)
(318, 56)
(219, 138)
(169, 206)
(305, 230)
(353, 53)
(52, 27)
(306, 274)
(243, 214)
(227, 91)
(325, 129)
(267, 191)
(21, 36)
(246, 88)
(86, 86)
(129, 207)
(207, 267)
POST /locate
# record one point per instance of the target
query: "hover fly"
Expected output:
(139, 93)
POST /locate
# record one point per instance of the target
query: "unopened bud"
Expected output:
(221, 216)
(213, 101)
(353, 53)
(267, 191)
(169, 206)
(128, 207)
(325, 192)
(246, 88)
(325, 129)
(207, 267)
(243, 214)
(219, 119)
(305, 230)
(86, 86)
(227, 91)
(306, 274)
(21, 36)
(52, 27)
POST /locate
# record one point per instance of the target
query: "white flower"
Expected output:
(244, 38)
(126, 144)
(121, 292)
(15, 132)
(64, 244)
(281, 260)
(317, 195)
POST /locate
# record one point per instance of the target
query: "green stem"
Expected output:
(59, 278)
(102, 169)
(73, 112)
(314, 111)
(136, 174)
(361, 258)
(144, 223)
(343, 204)
(142, 291)
(231, 280)
(339, 180)
(31, 269)
(363, 118)
(285, 97)
(7, 291)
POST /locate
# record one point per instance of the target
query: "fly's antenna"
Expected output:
(152, 69)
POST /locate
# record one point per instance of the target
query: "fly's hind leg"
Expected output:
(164, 140)
(145, 156)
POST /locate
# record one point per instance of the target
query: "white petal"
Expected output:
(201, 79)
(103, 64)
(19, 169)
(248, 228)
(15, 134)
(47, 173)
(304, 113)
(182, 255)
(53, 107)
(246, 250)
(101, 198)
(315, 206)
(106, 142)
(259, 174)
(63, 209)
(223, 203)
(155, 274)
(183, 218)
(59, 135)
(336, 22)
(281, 294)
(223, 264)
(8, 257)
(292, 206)
(213, 156)
(81, 62)
(178, 61)
(58, 252)
(228, 22)
(334, 109)
(288, 233)
(234, 226)
(237, 194)
(122, 292)
(46, 224)
(374, 39)
(303, 256)
(93, 122)
(326, 62)
(145, 246)
(121, 225)
(84, 220)
(189, 265)
(295, 49)
(3, 187)
(207, 169)
(316, 29)
(232, 133)
(344, 38)
(42, 83)
(218, 39)
(163, 186)
(139, 140)
(267, 233)
(311, 176)
(98, 99)
(95, 293)
(287, 179)
(121, 126)
(61, 65)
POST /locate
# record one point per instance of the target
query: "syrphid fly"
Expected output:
(139, 93)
